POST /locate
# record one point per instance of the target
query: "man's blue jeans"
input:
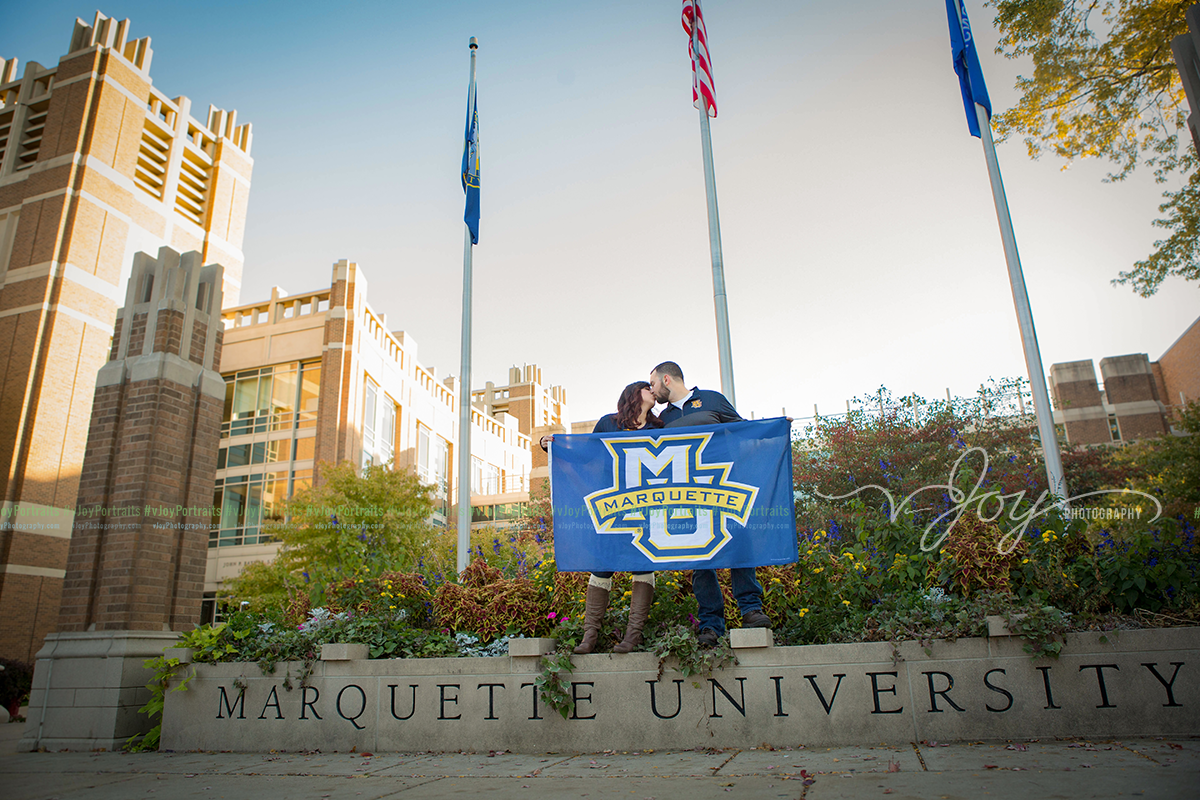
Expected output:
(746, 590)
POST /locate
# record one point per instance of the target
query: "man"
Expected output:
(697, 406)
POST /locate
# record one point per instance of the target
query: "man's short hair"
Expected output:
(669, 368)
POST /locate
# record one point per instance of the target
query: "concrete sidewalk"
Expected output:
(1151, 768)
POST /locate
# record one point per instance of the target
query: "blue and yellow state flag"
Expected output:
(470, 167)
(966, 64)
(704, 497)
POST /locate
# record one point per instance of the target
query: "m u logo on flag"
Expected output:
(676, 506)
(690, 498)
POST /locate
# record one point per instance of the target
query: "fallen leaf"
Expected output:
(893, 766)
(1017, 746)
(991, 766)
(887, 791)
(1086, 766)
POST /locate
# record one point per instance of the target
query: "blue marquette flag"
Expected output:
(470, 167)
(703, 497)
(966, 64)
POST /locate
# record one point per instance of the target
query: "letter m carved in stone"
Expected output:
(239, 703)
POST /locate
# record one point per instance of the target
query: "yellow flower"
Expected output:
(845, 602)
(1024, 560)
(818, 569)
(804, 611)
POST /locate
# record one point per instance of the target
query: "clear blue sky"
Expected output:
(860, 240)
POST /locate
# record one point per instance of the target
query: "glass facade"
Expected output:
(379, 426)
(500, 513)
(433, 466)
(267, 446)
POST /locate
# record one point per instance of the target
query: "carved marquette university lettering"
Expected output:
(362, 697)
(412, 707)
(741, 707)
(876, 689)
(1168, 686)
(812, 679)
(272, 701)
(442, 687)
(934, 694)
(1100, 679)
(678, 700)
(239, 702)
(995, 688)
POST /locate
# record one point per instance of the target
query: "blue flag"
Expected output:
(966, 64)
(704, 497)
(470, 168)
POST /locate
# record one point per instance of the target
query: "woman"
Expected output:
(633, 413)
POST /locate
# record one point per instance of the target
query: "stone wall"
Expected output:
(1137, 683)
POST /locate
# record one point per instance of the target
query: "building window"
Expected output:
(370, 396)
(476, 476)
(267, 399)
(423, 454)
(379, 426)
(246, 507)
(209, 609)
(387, 432)
(439, 473)
(1114, 428)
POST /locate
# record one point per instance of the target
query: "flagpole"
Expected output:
(1016, 279)
(724, 352)
(464, 388)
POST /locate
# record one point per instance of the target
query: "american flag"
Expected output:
(702, 80)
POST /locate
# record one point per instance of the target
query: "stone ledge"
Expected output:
(1142, 682)
(345, 652)
(530, 648)
(998, 626)
(740, 638)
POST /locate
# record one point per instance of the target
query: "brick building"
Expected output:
(318, 376)
(96, 164)
(1177, 371)
(526, 398)
(1138, 396)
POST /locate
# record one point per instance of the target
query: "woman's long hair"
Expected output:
(629, 406)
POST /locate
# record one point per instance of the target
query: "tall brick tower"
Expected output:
(135, 574)
(95, 165)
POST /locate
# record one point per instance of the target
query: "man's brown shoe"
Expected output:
(755, 619)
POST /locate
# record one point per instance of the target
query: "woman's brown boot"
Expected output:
(639, 610)
(593, 614)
